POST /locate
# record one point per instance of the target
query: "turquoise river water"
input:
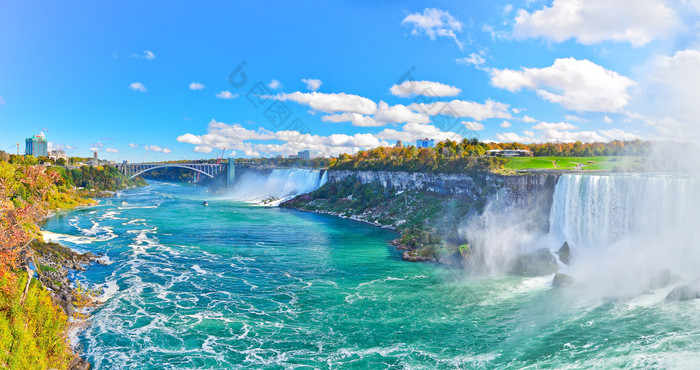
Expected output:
(236, 285)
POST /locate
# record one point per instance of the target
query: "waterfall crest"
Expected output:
(597, 210)
(275, 186)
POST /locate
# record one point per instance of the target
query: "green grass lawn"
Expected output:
(571, 163)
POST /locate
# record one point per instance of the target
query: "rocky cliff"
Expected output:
(523, 190)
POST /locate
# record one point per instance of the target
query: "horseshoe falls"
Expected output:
(276, 185)
(233, 285)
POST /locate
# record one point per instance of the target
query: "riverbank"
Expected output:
(38, 313)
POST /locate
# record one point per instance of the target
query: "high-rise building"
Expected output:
(425, 143)
(307, 154)
(95, 161)
(36, 146)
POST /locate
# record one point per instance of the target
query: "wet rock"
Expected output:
(682, 293)
(413, 256)
(562, 280)
(541, 262)
(69, 309)
(564, 253)
(78, 363)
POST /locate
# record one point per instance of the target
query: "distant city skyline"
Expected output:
(159, 81)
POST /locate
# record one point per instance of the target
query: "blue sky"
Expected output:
(150, 80)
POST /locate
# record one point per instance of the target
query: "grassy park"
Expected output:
(602, 163)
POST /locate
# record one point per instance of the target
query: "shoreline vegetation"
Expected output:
(39, 305)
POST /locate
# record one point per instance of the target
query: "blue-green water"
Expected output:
(234, 285)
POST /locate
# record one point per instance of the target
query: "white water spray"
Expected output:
(276, 186)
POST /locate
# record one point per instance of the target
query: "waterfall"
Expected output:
(597, 210)
(626, 229)
(275, 186)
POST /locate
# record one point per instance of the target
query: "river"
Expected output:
(239, 285)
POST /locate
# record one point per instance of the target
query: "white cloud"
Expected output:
(226, 95)
(554, 126)
(312, 83)
(398, 114)
(112, 150)
(433, 23)
(607, 119)
(137, 86)
(197, 86)
(424, 88)
(234, 136)
(461, 108)
(528, 119)
(413, 131)
(332, 103)
(578, 85)
(474, 126)
(355, 118)
(132, 145)
(505, 124)
(617, 134)
(593, 21)
(473, 59)
(156, 148)
(147, 54)
(571, 117)
(513, 137)
(274, 84)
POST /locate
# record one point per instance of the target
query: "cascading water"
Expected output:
(625, 229)
(597, 210)
(277, 185)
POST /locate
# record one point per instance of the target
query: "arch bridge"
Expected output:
(208, 169)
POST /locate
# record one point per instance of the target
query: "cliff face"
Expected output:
(521, 190)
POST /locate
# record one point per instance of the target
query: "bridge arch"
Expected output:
(171, 165)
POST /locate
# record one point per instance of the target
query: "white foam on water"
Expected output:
(109, 290)
(199, 270)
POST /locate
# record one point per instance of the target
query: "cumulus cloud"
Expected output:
(461, 108)
(226, 95)
(156, 148)
(474, 126)
(425, 88)
(594, 21)
(505, 124)
(355, 118)
(434, 23)
(578, 85)
(253, 142)
(554, 126)
(398, 114)
(274, 84)
(137, 86)
(312, 83)
(132, 145)
(411, 132)
(112, 150)
(197, 86)
(475, 59)
(528, 119)
(332, 103)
